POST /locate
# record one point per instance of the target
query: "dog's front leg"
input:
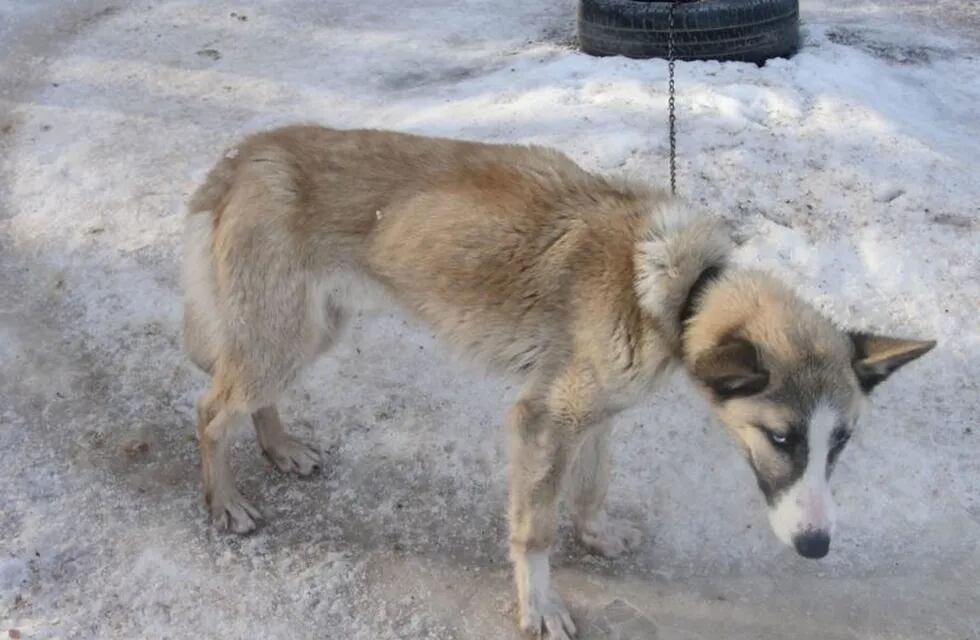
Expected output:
(588, 483)
(540, 450)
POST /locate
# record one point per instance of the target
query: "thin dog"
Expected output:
(588, 289)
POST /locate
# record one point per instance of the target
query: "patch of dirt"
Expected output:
(890, 51)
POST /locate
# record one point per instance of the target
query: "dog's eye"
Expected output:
(837, 441)
(778, 439)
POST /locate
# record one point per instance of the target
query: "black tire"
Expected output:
(747, 30)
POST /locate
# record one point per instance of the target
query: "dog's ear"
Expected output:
(876, 357)
(732, 369)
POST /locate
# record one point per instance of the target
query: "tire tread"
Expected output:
(749, 30)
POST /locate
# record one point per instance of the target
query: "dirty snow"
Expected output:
(849, 170)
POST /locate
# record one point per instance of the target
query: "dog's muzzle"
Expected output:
(803, 518)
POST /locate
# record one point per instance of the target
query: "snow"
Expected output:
(849, 170)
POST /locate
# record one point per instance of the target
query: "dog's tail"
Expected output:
(202, 324)
(209, 195)
(680, 245)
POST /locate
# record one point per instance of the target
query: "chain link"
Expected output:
(671, 118)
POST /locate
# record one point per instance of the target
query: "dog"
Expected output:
(586, 288)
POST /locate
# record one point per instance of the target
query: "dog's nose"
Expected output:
(812, 544)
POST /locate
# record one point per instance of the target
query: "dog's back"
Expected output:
(478, 240)
(333, 183)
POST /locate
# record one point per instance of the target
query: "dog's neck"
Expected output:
(677, 258)
(689, 307)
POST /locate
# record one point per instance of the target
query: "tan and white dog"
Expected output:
(589, 289)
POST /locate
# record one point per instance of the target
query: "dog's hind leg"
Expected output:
(587, 485)
(274, 336)
(289, 453)
(219, 414)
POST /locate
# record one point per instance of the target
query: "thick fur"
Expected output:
(678, 247)
(522, 261)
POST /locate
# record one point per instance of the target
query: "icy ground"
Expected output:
(851, 170)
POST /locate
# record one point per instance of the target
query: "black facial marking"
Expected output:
(838, 440)
(794, 449)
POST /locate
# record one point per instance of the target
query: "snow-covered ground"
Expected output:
(850, 170)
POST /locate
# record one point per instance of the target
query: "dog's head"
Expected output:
(791, 388)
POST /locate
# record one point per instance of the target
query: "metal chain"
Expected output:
(671, 119)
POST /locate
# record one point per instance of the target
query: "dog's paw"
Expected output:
(293, 455)
(545, 611)
(231, 512)
(610, 538)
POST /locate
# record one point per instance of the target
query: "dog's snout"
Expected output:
(812, 544)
